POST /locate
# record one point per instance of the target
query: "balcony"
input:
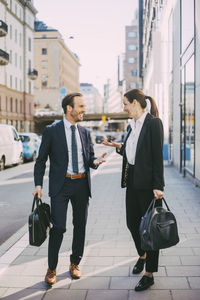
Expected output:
(4, 58)
(3, 28)
(33, 74)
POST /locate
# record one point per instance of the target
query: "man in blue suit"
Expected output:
(70, 150)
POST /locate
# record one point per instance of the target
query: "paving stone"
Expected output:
(169, 260)
(60, 294)
(169, 283)
(27, 293)
(2, 291)
(183, 271)
(196, 251)
(107, 295)
(93, 283)
(115, 252)
(100, 261)
(32, 260)
(123, 283)
(186, 295)
(177, 251)
(112, 271)
(190, 260)
(150, 295)
(194, 282)
(34, 282)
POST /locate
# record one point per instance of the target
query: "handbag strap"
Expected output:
(153, 202)
(36, 201)
(165, 203)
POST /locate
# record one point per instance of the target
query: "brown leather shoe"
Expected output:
(75, 271)
(50, 277)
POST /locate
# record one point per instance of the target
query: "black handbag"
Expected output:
(158, 228)
(38, 222)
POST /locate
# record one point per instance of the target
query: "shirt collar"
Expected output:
(141, 119)
(67, 123)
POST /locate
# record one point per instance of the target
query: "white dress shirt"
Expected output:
(68, 134)
(131, 144)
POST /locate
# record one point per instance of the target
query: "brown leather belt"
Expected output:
(76, 176)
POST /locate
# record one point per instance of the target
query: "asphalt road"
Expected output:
(16, 187)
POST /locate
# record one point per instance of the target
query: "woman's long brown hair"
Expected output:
(139, 96)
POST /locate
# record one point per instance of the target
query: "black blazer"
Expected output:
(54, 145)
(148, 170)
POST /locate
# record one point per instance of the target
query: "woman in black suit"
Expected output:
(142, 173)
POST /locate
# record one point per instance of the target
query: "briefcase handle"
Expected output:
(36, 201)
(152, 204)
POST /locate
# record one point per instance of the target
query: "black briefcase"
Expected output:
(158, 228)
(38, 222)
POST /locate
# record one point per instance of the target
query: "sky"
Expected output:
(98, 30)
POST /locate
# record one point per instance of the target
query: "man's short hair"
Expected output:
(69, 100)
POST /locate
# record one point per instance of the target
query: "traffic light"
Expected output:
(103, 117)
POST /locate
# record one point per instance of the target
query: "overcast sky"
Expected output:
(98, 28)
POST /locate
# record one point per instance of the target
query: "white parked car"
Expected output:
(11, 150)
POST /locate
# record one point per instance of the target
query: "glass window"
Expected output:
(10, 57)
(44, 64)
(11, 32)
(133, 85)
(187, 22)
(133, 72)
(16, 105)
(44, 51)
(132, 34)
(15, 35)
(11, 104)
(15, 59)
(44, 80)
(20, 39)
(29, 44)
(16, 83)
(132, 47)
(131, 60)
(29, 87)
(11, 81)
(189, 114)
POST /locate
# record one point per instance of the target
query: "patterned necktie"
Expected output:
(74, 150)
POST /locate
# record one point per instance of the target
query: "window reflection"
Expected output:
(189, 113)
(187, 22)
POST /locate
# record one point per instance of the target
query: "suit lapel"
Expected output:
(128, 133)
(142, 133)
(83, 138)
(61, 133)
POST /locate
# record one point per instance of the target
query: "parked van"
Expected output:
(31, 144)
(11, 151)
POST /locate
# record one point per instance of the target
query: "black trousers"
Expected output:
(77, 191)
(137, 202)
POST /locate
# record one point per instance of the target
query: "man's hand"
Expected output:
(158, 194)
(38, 191)
(99, 160)
(112, 144)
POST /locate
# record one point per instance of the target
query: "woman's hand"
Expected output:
(158, 194)
(112, 144)
(98, 161)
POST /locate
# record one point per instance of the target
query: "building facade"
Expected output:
(93, 99)
(170, 72)
(16, 64)
(131, 61)
(58, 68)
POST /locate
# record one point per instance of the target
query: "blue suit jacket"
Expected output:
(54, 146)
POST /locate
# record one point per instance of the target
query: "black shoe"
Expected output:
(139, 266)
(144, 283)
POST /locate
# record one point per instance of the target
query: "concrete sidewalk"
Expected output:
(109, 253)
